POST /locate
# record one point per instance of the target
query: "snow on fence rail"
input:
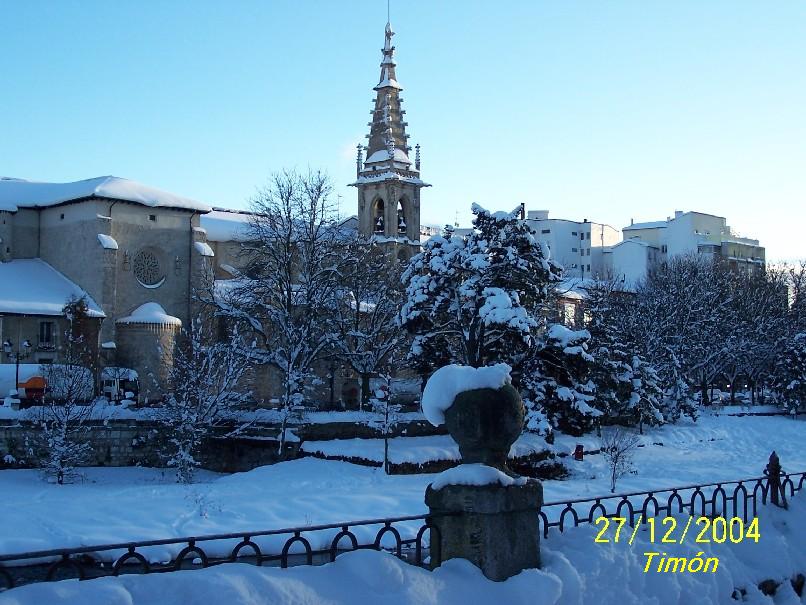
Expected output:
(403, 536)
(708, 500)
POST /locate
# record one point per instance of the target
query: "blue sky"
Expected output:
(600, 110)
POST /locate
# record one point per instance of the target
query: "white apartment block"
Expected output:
(578, 246)
(689, 233)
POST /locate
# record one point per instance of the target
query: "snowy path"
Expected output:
(118, 504)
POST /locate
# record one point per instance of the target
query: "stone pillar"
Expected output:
(495, 527)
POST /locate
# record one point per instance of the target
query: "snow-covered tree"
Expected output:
(618, 447)
(646, 398)
(795, 276)
(627, 389)
(367, 335)
(286, 295)
(558, 392)
(206, 388)
(387, 414)
(68, 402)
(480, 296)
(789, 379)
(679, 324)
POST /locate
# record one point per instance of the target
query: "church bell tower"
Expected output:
(388, 182)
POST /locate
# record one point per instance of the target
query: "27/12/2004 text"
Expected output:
(669, 531)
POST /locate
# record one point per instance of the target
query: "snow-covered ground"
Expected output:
(575, 571)
(120, 504)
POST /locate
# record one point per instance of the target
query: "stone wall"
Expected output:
(130, 443)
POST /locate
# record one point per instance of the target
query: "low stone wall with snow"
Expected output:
(138, 442)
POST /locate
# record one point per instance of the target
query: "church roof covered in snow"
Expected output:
(32, 287)
(223, 225)
(19, 193)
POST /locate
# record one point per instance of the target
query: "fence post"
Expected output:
(492, 522)
(773, 473)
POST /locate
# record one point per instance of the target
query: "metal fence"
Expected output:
(729, 498)
(414, 538)
(309, 545)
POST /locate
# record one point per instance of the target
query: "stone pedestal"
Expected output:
(494, 527)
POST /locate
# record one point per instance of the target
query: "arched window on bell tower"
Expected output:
(401, 218)
(377, 217)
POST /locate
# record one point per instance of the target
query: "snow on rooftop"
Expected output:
(19, 193)
(226, 225)
(448, 381)
(32, 287)
(382, 155)
(649, 225)
(150, 313)
(388, 83)
(388, 175)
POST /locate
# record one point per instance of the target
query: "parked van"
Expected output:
(118, 384)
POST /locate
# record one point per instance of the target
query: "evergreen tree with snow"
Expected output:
(479, 296)
(789, 379)
(627, 386)
(558, 392)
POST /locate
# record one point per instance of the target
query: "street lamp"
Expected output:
(17, 356)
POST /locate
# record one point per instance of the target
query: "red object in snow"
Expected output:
(578, 452)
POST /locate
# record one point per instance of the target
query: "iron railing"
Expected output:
(318, 546)
(88, 562)
(708, 500)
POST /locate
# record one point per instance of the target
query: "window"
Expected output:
(588, 268)
(45, 333)
(573, 249)
(152, 217)
(62, 216)
(546, 231)
(574, 233)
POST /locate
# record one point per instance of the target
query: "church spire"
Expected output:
(387, 129)
(388, 182)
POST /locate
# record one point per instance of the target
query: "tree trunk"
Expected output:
(704, 388)
(733, 391)
(364, 389)
(386, 452)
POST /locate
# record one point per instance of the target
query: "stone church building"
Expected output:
(136, 253)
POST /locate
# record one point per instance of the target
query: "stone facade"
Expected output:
(121, 254)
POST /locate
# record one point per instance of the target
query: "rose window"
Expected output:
(147, 269)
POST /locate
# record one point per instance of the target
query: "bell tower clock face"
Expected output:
(147, 269)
